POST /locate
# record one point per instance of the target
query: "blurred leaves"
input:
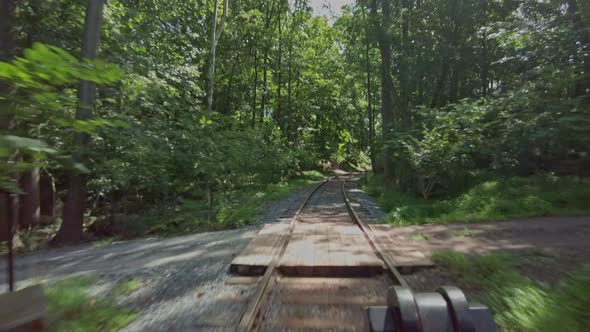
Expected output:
(40, 100)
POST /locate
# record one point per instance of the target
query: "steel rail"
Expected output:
(381, 253)
(250, 314)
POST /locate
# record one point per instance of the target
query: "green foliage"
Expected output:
(70, 308)
(574, 292)
(40, 100)
(472, 268)
(235, 208)
(44, 67)
(520, 304)
(500, 199)
(478, 86)
(432, 159)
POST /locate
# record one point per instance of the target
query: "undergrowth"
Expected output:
(487, 199)
(237, 208)
(520, 304)
(70, 308)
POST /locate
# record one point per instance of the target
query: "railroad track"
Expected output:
(285, 302)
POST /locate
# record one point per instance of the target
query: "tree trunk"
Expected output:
(47, 196)
(227, 97)
(388, 93)
(71, 230)
(405, 68)
(484, 53)
(289, 77)
(265, 65)
(438, 96)
(264, 87)
(7, 29)
(215, 33)
(369, 93)
(484, 66)
(255, 87)
(582, 85)
(279, 69)
(30, 209)
(8, 200)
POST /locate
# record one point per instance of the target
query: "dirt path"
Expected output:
(547, 248)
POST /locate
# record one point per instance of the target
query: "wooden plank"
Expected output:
(327, 239)
(335, 299)
(329, 248)
(343, 258)
(336, 282)
(261, 249)
(345, 271)
(242, 280)
(215, 322)
(314, 323)
(25, 307)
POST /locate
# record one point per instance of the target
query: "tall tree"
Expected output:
(216, 30)
(368, 69)
(8, 199)
(389, 96)
(71, 229)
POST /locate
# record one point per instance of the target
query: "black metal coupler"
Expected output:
(445, 310)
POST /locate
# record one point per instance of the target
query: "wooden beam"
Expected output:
(23, 310)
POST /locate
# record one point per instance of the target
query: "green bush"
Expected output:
(499, 199)
(434, 159)
(231, 209)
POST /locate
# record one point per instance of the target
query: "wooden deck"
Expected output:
(329, 248)
(254, 259)
(318, 249)
(326, 249)
(326, 242)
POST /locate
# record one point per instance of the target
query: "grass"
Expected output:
(70, 308)
(127, 287)
(244, 207)
(519, 303)
(234, 209)
(465, 232)
(104, 242)
(419, 236)
(490, 199)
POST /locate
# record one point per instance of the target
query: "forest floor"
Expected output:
(547, 248)
(182, 283)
